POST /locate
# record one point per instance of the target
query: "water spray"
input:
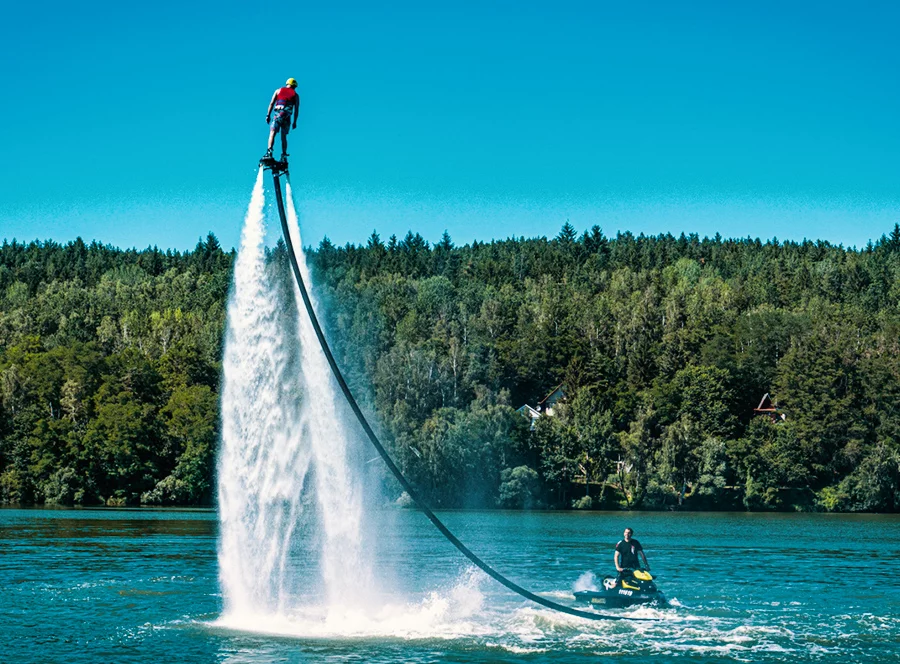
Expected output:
(278, 169)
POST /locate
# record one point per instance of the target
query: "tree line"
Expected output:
(664, 345)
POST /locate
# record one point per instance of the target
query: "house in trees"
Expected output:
(545, 406)
(767, 408)
(530, 412)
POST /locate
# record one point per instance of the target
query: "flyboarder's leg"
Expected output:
(285, 128)
(274, 126)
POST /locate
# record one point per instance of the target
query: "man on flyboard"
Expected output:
(285, 102)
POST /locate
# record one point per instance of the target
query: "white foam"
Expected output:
(456, 613)
(283, 428)
(261, 465)
(587, 581)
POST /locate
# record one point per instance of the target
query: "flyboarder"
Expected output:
(285, 102)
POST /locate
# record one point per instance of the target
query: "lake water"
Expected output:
(140, 585)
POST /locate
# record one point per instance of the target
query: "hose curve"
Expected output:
(373, 438)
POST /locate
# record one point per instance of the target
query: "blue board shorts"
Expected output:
(281, 121)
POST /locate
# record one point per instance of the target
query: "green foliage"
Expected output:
(62, 488)
(109, 364)
(639, 446)
(460, 453)
(769, 461)
(519, 488)
(583, 503)
(109, 371)
(712, 480)
(819, 380)
(677, 460)
(190, 419)
(873, 487)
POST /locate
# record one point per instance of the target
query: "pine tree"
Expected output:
(595, 241)
(894, 240)
(567, 235)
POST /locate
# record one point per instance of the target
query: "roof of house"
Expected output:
(558, 388)
(525, 408)
(765, 405)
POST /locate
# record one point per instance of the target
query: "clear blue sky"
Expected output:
(141, 123)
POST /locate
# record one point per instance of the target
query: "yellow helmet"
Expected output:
(292, 82)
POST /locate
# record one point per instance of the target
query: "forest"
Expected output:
(664, 347)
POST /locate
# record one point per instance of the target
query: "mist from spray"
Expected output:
(294, 557)
(262, 461)
(338, 480)
(282, 429)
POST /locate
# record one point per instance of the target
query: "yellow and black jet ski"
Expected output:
(627, 589)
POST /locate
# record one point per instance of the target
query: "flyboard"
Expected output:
(279, 169)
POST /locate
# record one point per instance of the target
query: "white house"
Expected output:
(530, 412)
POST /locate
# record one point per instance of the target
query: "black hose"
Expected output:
(487, 569)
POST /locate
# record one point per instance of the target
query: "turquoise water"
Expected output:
(140, 585)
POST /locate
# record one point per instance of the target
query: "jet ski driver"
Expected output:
(285, 102)
(626, 556)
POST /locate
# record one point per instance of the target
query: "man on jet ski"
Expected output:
(626, 556)
(632, 586)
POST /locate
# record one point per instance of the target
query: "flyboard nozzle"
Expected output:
(277, 167)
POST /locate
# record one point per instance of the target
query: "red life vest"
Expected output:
(286, 96)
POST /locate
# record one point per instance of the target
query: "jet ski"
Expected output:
(627, 589)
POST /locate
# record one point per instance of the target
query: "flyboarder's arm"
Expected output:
(296, 111)
(271, 106)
